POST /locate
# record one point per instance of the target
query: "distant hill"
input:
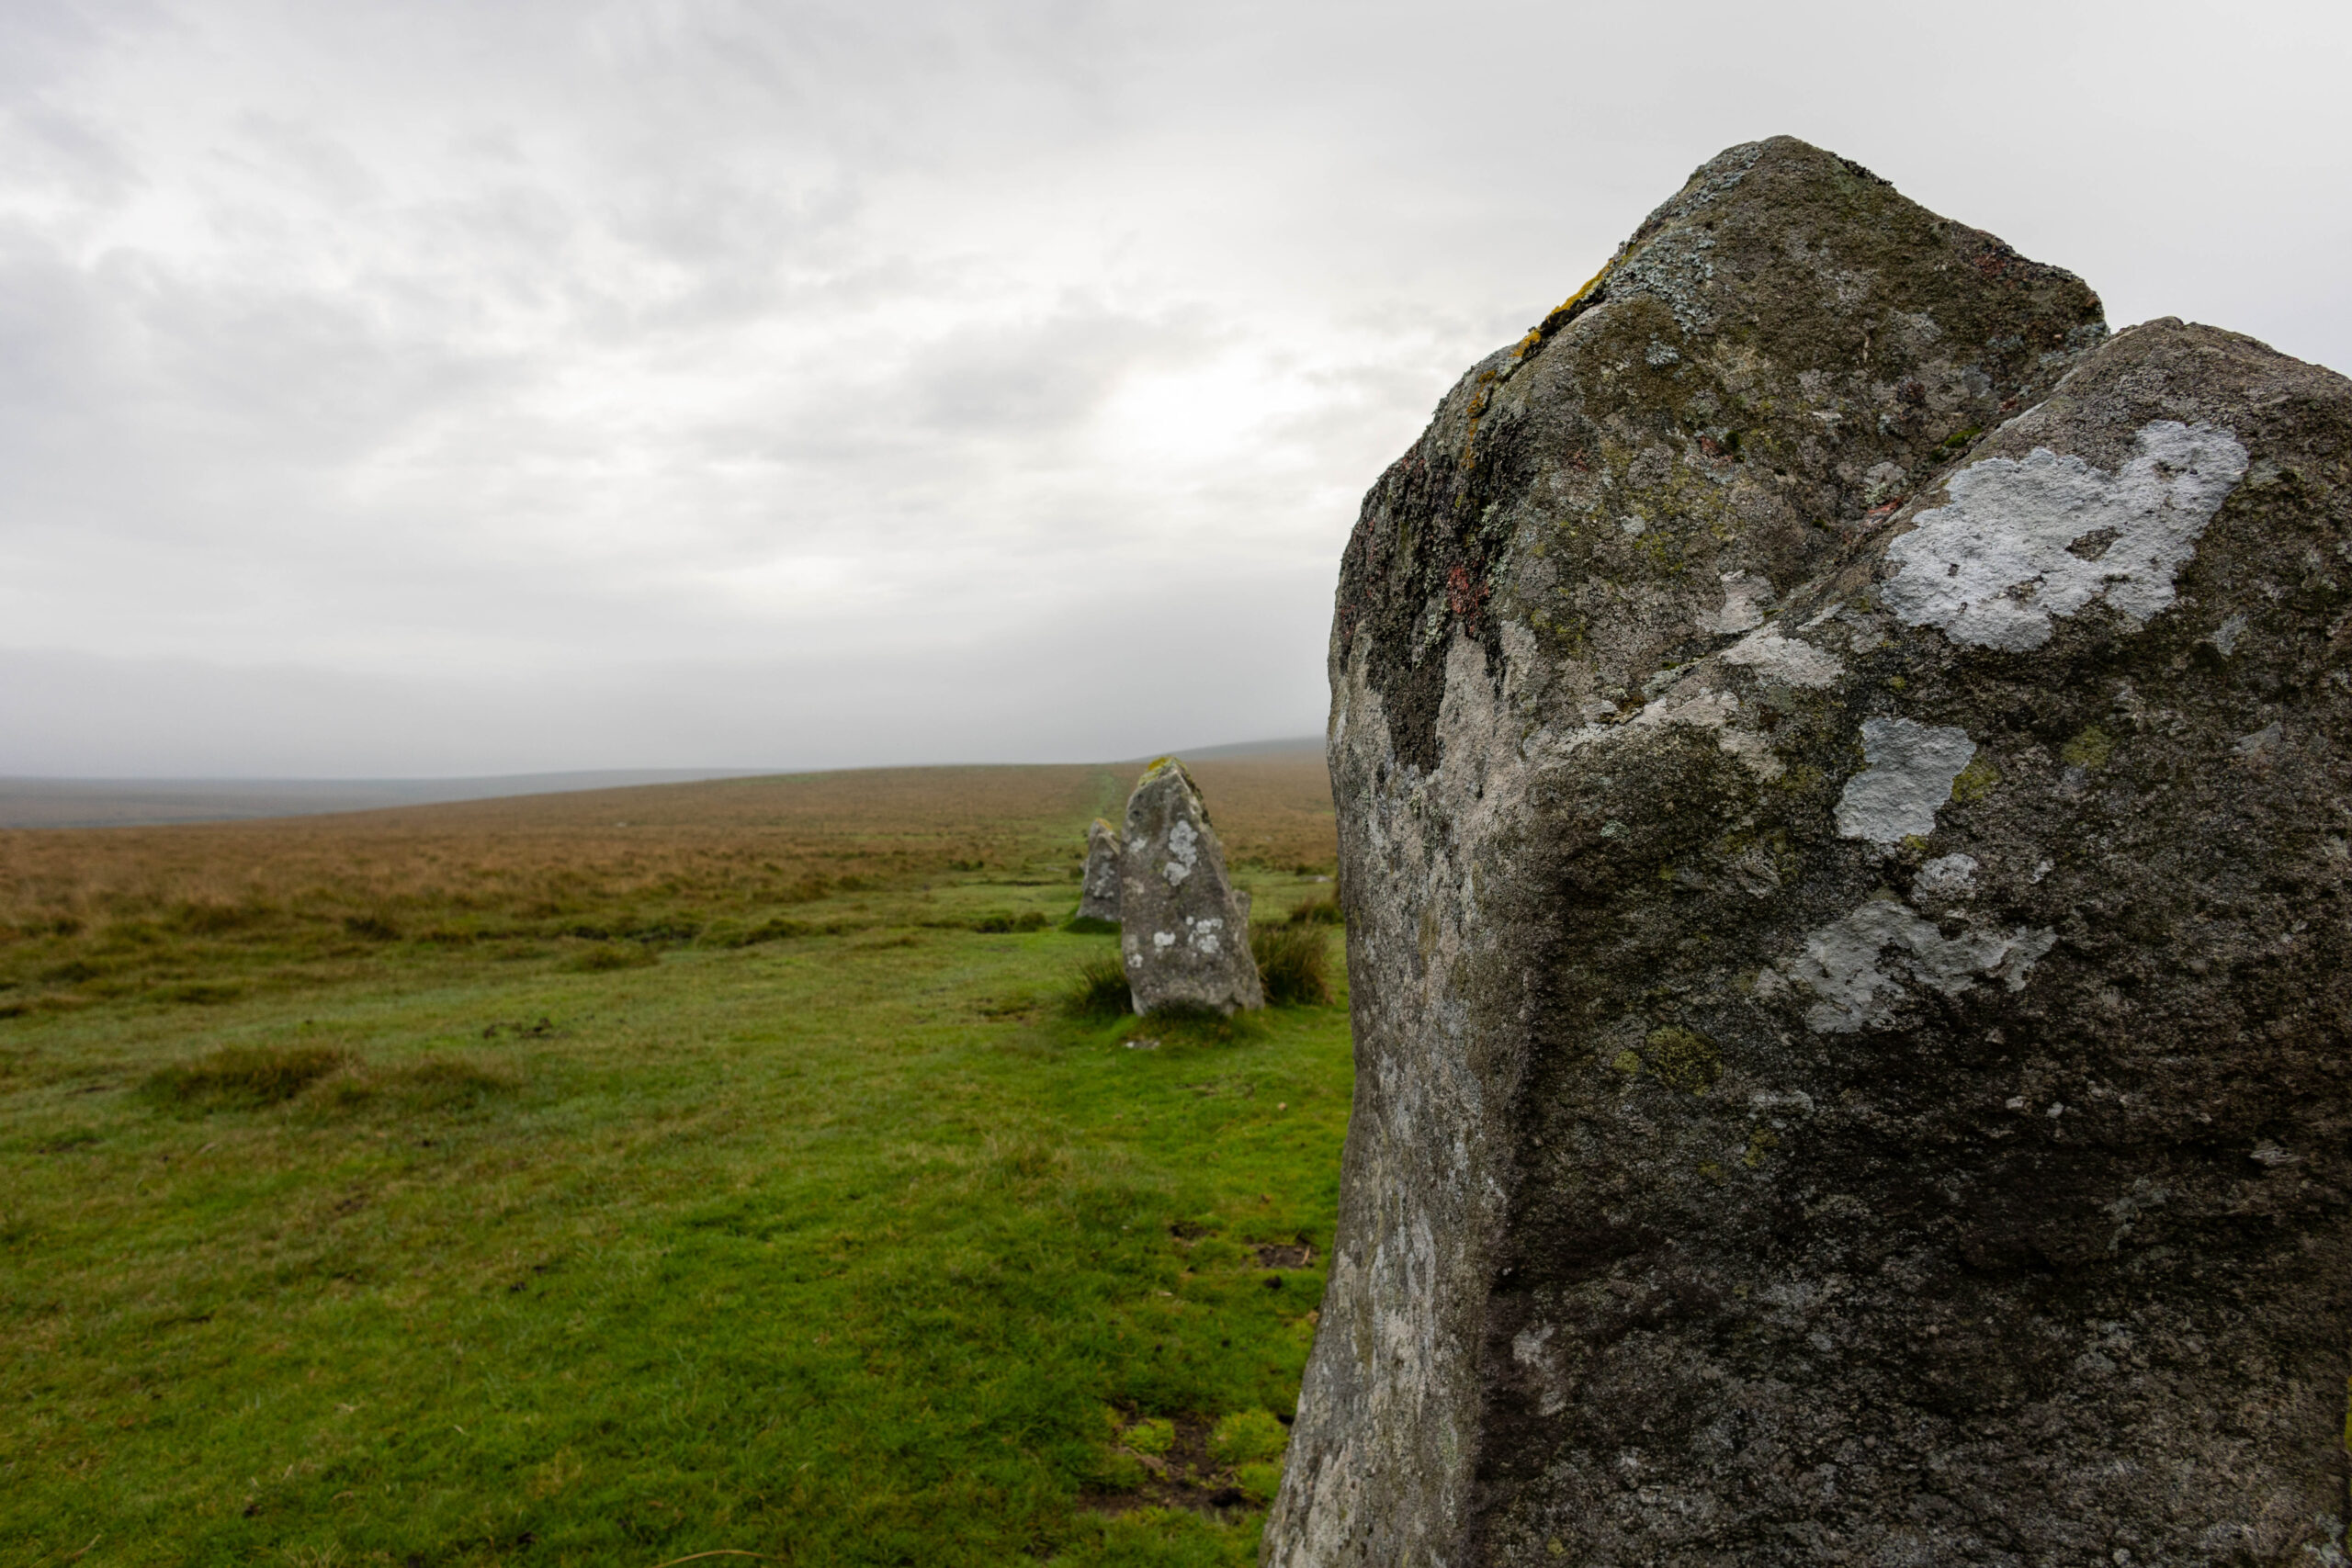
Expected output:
(135, 803)
(124, 803)
(1281, 747)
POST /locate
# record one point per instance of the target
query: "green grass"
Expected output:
(857, 1247)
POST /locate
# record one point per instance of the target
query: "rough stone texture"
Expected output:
(1845, 926)
(1184, 926)
(1098, 897)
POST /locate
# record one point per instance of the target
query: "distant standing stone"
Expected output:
(1186, 930)
(1099, 899)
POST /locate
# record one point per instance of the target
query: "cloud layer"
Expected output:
(428, 387)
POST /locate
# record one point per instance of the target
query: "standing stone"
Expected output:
(1184, 928)
(1099, 893)
(1843, 818)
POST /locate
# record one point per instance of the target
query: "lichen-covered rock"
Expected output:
(1184, 928)
(1098, 896)
(1843, 823)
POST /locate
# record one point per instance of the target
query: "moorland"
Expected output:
(741, 1167)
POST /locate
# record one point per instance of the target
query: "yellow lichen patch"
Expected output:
(1976, 780)
(1573, 300)
(1628, 1062)
(2091, 748)
(1684, 1059)
(1760, 1144)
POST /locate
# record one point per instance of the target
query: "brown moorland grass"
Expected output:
(200, 913)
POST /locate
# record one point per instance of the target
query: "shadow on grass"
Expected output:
(608, 956)
(1181, 1025)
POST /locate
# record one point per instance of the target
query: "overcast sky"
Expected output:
(404, 389)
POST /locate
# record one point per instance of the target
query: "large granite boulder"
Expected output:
(1184, 928)
(1098, 897)
(1841, 774)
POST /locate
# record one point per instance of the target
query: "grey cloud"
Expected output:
(1040, 375)
(541, 386)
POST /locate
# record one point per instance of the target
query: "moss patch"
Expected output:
(1975, 780)
(1684, 1059)
(2091, 748)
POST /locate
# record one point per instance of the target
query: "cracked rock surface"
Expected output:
(1841, 768)
(1183, 927)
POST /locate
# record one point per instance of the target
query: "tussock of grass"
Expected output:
(1248, 1435)
(437, 1084)
(1153, 1434)
(1088, 925)
(1322, 911)
(1293, 964)
(1100, 989)
(1026, 1162)
(1028, 920)
(244, 1076)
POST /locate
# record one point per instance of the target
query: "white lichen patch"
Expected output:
(2019, 543)
(1788, 659)
(1203, 934)
(1183, 850)
(1910, 772)
(1862, 967)
(1946, 876)
(1745, 597)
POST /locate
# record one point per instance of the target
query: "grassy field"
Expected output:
(613, 1178)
